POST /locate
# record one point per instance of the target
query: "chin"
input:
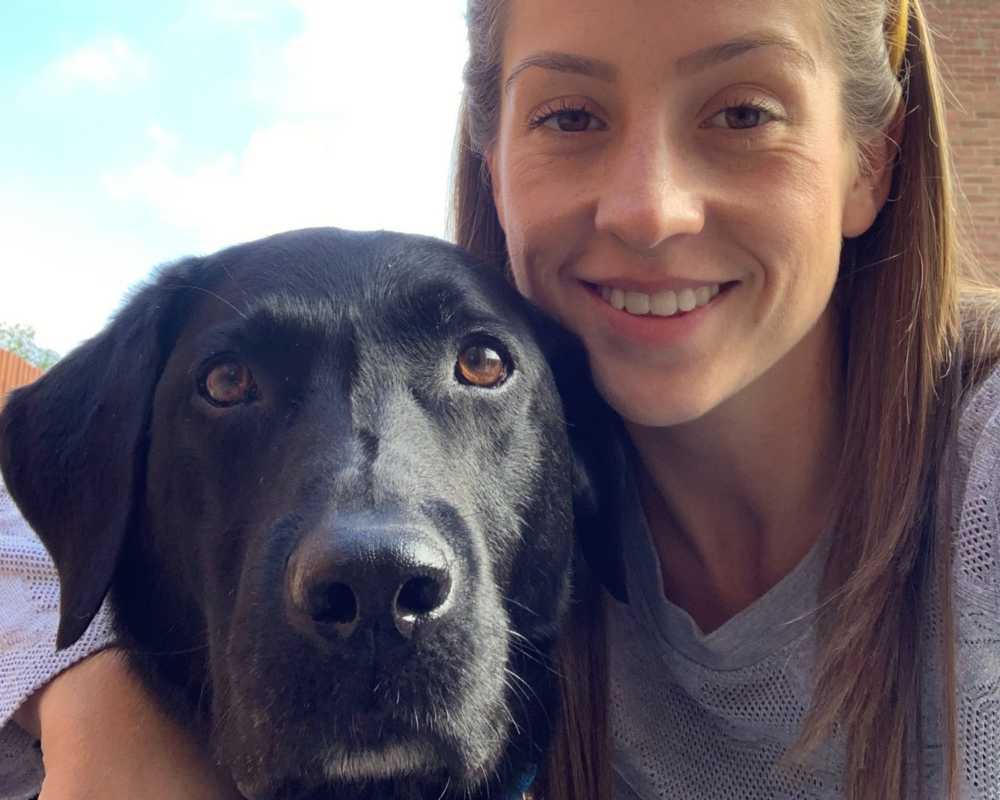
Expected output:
(655, 403)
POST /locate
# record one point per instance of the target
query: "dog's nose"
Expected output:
(347, 576)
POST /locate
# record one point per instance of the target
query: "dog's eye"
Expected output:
(480, 365)
(228, 383)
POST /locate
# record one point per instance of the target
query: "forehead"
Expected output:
(665, 35)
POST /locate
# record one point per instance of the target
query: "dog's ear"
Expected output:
(72, 447)
(597, 439)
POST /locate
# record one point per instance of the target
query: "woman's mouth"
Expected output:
(661, 304)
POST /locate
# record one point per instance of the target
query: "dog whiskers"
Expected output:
(216, 296)
(530, 650)
(236, 283)
(444, 791)
(521, 697)
(514, 602)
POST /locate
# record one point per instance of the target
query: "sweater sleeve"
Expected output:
(29, 617)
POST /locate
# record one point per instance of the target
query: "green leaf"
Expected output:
(20, 340)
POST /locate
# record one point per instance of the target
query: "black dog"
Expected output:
(327, 479)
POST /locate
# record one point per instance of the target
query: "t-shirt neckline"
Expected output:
(784, 613)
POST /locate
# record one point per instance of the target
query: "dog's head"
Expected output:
(328, 480)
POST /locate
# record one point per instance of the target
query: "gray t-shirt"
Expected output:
(695, 717)
(710, 717)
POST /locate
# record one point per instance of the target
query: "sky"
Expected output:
(133, 134)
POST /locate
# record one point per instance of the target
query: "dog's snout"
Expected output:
(376, 576)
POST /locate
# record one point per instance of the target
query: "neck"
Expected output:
(736, 498)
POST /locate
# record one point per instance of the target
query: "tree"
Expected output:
(20, 340)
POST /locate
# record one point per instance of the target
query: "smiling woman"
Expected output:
(699, 191)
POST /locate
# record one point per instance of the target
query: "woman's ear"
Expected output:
(873, 181)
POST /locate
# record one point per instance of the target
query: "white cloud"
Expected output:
(390, 56)
(362, 138)
(62, 280)
(232, 12)
(236, 12)
(110, 65)
(161, 137)
(294, 175)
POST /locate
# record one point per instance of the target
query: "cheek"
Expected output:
(543, 228)
(544, 213)
(530, 195)
(801, 231)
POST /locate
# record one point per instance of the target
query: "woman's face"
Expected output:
(674, 180)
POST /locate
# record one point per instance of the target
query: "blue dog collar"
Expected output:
(525, 784)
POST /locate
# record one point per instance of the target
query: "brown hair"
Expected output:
(902, 324)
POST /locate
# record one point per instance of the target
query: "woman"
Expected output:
(743, 209)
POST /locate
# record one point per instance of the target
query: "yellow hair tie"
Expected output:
(897, 37)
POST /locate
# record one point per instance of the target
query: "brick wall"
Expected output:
(968, 43)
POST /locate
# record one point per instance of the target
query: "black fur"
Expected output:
(357, 428)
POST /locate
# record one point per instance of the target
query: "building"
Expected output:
(967, 33)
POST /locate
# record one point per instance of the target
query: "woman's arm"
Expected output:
(103, 736)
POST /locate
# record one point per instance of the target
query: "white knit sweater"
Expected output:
(696, 717)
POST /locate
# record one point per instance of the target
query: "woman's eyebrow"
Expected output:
(685, 65)
(564, 62)
(718, 53)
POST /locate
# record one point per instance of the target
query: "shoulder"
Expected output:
(979, 425)
(28, 582)
(976, 487)
(15, 533)
(980, 416)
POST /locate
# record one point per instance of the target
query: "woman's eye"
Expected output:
(480, 365)
(740, 117)
(228, 383)
(572, 120)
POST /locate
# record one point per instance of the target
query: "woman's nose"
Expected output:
(649, 193)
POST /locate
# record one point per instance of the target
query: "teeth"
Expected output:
(661, 304)
(636, 303)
